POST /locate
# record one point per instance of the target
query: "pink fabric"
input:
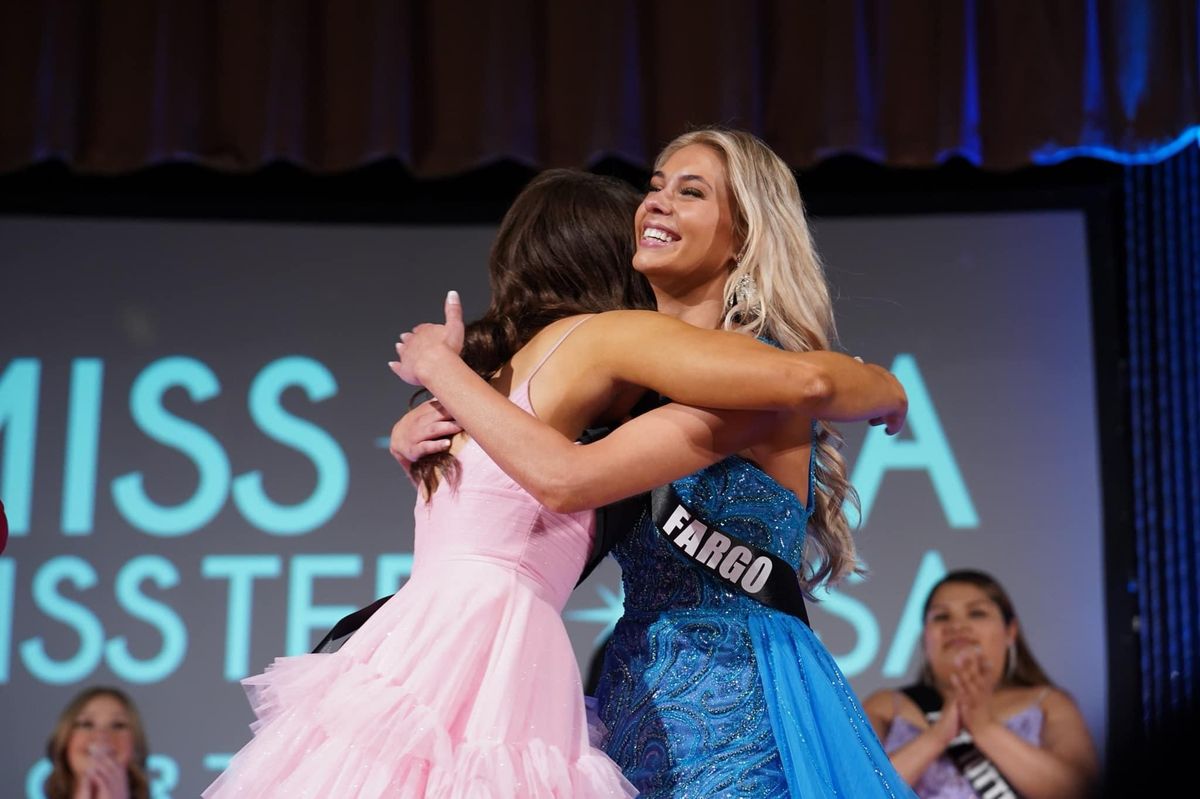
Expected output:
(463, 685)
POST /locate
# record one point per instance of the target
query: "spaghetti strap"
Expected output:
(557, 344)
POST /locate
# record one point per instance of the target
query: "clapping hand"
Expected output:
(972, 683)
(949, 722)
(104, 777)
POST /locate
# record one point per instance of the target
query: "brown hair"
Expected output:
(1026, 670)
(61, 782)
(565, 247)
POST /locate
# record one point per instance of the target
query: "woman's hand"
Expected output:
(421, 350)
(104, 778)
(893, 418)
(424, 430)
(973, 683)
(948, 724)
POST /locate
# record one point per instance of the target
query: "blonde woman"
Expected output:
(713, 685)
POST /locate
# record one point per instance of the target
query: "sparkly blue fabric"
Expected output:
(706, 692)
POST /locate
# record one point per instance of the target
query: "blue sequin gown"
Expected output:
(707, 693)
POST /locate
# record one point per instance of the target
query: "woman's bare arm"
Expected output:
(651, 450)
(1064, 766)
(693, 366)
(654, 449)
(915, 756)
(722, 369)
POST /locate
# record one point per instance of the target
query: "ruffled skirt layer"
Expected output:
(463, 687)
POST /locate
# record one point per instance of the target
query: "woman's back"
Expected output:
(463, 683)
(483, 514)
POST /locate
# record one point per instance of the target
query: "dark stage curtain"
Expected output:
(443, 86)
(1163, 290)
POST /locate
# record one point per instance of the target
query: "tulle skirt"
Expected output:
(463, 687)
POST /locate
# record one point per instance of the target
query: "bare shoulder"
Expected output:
(884, 707)
(633, 319)
(1065, 731)
(579, 326)
(620, 333)
(602, 326)
(880, 704)
(885, 703)
(568, 331)
(1058, 702)
(620, 327)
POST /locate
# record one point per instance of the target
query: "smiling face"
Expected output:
(684, 226)
(102, 725)
(962, 620)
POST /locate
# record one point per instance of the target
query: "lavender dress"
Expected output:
(942, 780)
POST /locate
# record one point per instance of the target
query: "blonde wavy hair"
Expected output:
(792, 306)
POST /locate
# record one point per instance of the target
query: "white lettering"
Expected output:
(716, 546)
(689, 539)
(735, 563)
(757, 574)
(678, 517)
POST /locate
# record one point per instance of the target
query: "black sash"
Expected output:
(739, 565)
(616, 520)
(346, 626)
(985, 779)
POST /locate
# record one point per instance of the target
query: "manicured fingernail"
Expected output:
(452, 296)
(393, 364)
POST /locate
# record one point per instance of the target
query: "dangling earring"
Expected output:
(745, 291)
(1010, 661)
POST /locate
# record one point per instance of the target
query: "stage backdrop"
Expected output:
(193, 419)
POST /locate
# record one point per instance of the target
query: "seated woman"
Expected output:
(984, 720)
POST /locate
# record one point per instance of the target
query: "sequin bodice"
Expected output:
(707, 693)
(737, 497)
(681, 691)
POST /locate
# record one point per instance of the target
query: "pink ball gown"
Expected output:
(463, 685)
